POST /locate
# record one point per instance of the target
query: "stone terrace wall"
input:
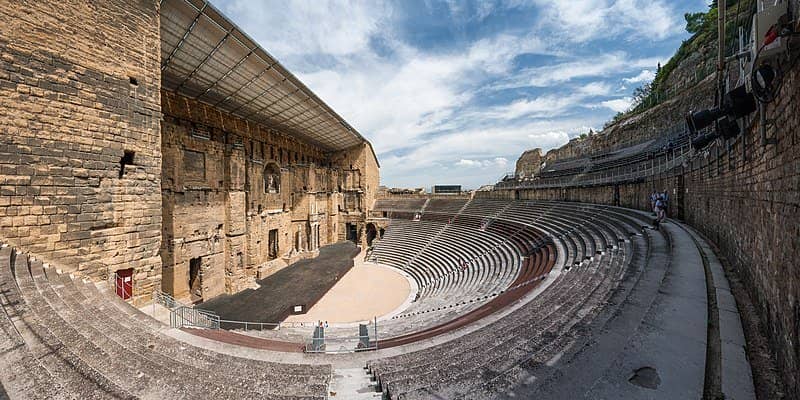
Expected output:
(69, 109)
(747, 201)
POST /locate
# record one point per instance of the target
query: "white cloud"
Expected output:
(543, 106)
(310, 26)
(467, 163)
(487, 146)
(595, 89)
(551, 75)
(496, 162)
(645, 76)
(585, 20)
(618, 105)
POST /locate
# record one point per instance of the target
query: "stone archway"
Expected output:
(372, 233)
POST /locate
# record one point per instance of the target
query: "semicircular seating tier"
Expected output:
(587, 248)
(470, 258)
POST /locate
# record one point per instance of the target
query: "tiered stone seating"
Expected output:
(597, 244)
(398, 208)
(500, 249)
(402, 205)
(67, 339)
(634, 159)
(450, 206)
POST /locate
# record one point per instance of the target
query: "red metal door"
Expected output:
(124, 283)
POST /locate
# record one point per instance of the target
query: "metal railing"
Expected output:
(184, 316)
(166, 300)
(232, 325)
(322, 343)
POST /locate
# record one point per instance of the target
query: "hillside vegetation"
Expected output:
(703, 27)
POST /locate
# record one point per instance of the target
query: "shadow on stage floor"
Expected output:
(303, 282)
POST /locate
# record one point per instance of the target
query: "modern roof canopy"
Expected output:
(207, 57)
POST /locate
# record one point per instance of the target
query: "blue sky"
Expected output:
(452, 92)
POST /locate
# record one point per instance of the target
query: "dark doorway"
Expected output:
(616, 195)
(273, 244)
(372, 232)
(195, 278)
(516, 195)
(352, 232)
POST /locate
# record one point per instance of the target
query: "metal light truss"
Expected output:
(208, 58)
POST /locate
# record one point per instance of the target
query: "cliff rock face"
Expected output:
(528, 163)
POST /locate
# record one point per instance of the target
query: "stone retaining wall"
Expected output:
(79, 87)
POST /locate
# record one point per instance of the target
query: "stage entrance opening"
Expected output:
(195, 279)
(372, 233)
(352, 232)
(273, 244)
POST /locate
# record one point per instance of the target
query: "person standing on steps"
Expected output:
(653, 198)
(660, 213)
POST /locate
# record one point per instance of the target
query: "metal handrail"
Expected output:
(251, 325)
(166, 300)
(194, 318)
(183, 315)
(319, 344)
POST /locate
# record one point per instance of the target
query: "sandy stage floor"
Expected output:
(366, 291)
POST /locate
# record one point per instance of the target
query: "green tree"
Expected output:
(642, 92)
(694, 21)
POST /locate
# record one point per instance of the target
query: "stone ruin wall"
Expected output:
(747, 201)
(79, 86)
(217, 166)
(358, 187)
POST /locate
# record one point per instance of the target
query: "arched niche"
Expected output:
(272, 178)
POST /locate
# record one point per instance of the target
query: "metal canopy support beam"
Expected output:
(166, 62)
(263, 92)
(225, 76)
(205, 60)
(287, 109)
(250, 82)
(262, 109)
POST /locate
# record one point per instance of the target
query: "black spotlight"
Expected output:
(703, 140)
(736, 104)
(727, 128)
(699, 120)
(763, 83)
(739, 102)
